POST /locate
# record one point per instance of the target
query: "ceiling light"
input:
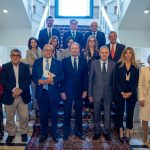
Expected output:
(146, 11)
(5, 11)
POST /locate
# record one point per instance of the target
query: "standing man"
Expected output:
(78, 36)
(48, 91)
(100, 36)
(15, 78)
(75, 89)
(115, 48)
(46, 33)
(101, 91)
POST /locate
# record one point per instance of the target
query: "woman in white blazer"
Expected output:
(144, 98)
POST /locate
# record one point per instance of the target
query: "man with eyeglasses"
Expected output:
(48, 90)
(15, 78)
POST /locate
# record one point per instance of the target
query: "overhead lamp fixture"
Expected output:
(146, 11)
(5, 11)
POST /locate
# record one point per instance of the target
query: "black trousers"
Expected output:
(78, 115)
(120, 108)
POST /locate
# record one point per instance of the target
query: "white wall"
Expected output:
(135, 38)
(14, 37)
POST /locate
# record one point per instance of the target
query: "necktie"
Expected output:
(49, 34)
(47, 68)
(112, 52)
(75, 65)
(94, 34)
(104, 71)
(73, 34)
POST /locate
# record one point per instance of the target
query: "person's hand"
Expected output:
(91, 99)
(49, 80)
(123, 94)
(16, 92)
(128, 94)
(63, 96)
(142, 103)
(84, 94)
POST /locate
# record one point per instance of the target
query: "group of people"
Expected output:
(87, 69)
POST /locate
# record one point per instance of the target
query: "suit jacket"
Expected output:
(78, 38)
(74, 85)
(98, 87)
(8, 81)
(120, 80)
(100, 38)
(1, 87)
(118, 52)
(37, 72)
(144, 84)
(44, 38)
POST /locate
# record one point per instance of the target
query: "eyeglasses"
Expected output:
(48, 50)
(13, 55)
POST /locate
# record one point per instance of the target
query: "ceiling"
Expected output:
(134, 17)
(16, 16)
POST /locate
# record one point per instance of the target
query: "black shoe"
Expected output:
(65, 137)
(43, 138)
(96, 136)
(80, 136)
(127, 139)
(107, 137)
(24, 137)
(121, 139)
(55, 139)
(9, 139)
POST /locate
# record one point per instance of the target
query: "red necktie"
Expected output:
(112, 52)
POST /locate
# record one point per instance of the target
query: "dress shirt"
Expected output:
(114, 46)
(72, 60)
(44, 63)
(106, 64)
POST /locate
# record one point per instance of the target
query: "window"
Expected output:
(73, 8)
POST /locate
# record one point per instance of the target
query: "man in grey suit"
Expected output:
(101, 91)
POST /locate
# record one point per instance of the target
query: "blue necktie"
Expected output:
(47, 68)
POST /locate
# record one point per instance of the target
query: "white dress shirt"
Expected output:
(72, 60)
(106, 64)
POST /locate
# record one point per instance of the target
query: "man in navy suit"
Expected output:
(100, 36)
(46, 33)
(74, 89)
(48, 90)
(78, 36)
(115, 48)
(15, 78)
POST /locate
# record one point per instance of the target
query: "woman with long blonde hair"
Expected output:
(126, 82)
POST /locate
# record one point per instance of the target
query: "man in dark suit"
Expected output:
(47, 74)
(101, 91)
(78, 36)
(74, 89)
(15, 78)
(46, 33)
(115, 48)
(100, 36)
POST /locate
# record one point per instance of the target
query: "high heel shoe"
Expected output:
(121, 139)
(127, 139)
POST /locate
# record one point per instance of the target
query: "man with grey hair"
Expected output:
(15, 78)
(101, 91)
(47, 74)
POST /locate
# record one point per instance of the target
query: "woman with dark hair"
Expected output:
(90, 52)
(1, 113)
(126, 82)
(54, 41)
(66, 52)
(144, 98)
(33, 53)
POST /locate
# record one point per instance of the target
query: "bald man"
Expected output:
(100, 36)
